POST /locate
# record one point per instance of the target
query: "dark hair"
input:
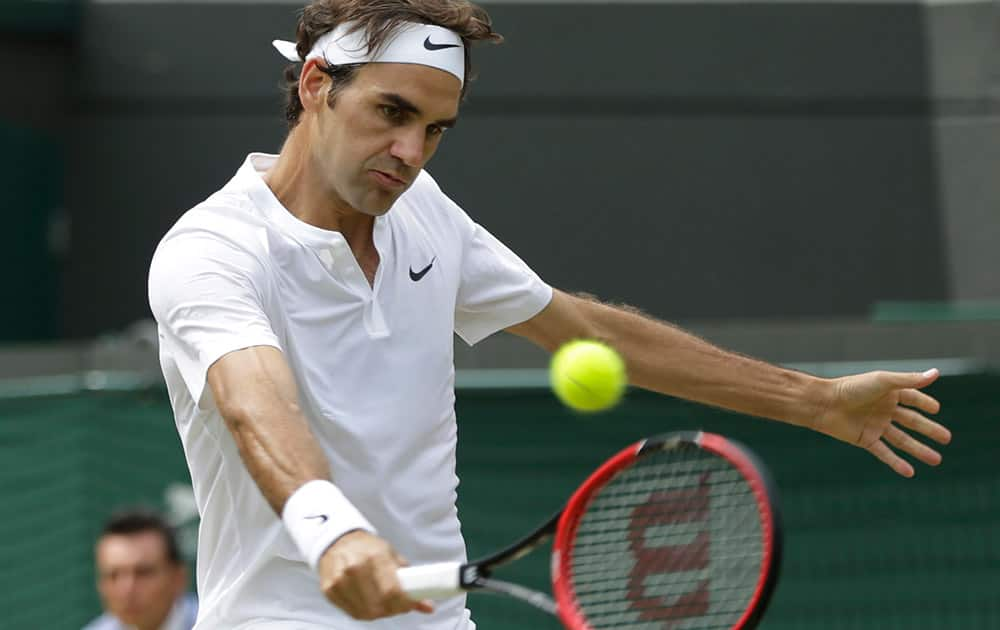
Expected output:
(135, 521)
(379, 18)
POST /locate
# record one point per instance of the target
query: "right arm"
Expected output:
(208, 294)
(256, 395)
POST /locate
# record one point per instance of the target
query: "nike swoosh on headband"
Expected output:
(429, 45)
(423, 44)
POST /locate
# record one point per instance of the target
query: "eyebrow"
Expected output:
(409, 107)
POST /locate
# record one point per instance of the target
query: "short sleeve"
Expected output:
(207, 295)
(497, 289)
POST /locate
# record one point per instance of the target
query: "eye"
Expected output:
(434, 131)
(144, 571)
(391, 113)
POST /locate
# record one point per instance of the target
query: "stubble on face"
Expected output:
(369, 147)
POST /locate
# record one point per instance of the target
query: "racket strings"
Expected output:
(673, 542)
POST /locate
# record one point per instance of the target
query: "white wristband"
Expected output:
(316, 515)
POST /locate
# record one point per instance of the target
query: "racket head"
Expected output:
(677, 532)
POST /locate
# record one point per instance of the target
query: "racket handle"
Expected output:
(431, 581)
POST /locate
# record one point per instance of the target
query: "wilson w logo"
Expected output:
(664, 508)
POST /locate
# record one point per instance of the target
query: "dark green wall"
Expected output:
(36, 39)
(864, 549)
(704, 161)
(701, 160)
(38, 17)
(31, 177)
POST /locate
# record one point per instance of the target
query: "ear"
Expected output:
(313, 86)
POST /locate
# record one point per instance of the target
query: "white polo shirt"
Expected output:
(374, 368)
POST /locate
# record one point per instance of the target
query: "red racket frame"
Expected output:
(745, 462)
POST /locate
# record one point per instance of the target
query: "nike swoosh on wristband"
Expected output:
(429, 45)
(417, 275)
(323, 517)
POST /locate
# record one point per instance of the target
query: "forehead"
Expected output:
(129, 549)
(431, 89)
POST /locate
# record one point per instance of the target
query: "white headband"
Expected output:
(423, 44)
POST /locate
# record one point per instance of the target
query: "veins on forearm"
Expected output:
(279, 452)
(667, 359)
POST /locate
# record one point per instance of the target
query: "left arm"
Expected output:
(858, 409)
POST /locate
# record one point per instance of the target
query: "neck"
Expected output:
(159, 625)
(298, 186)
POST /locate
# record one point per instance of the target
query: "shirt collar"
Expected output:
(250, 177)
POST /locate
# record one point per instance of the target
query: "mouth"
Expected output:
(388, 180)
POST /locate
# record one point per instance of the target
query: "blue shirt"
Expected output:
(181, 617)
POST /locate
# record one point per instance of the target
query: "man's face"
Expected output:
(383, 128)
(136, 581)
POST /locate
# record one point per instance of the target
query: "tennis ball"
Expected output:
(587, 375)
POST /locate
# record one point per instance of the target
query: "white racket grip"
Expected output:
(431, 581)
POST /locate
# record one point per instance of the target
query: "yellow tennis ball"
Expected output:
(587, 375)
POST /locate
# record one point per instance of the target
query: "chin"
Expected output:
(127, 619)
(378, 207)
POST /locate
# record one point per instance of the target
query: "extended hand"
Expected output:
(358, 574)
(865, 410)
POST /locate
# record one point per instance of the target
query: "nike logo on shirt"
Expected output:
(417, 275)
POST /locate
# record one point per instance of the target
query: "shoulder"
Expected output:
(104, 622)
(222, 230)
(428, 203)
(189, 603)
(214, 247)
(225, 216)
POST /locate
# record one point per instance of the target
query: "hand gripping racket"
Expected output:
(676, 532)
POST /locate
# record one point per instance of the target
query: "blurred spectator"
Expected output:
(141, 577)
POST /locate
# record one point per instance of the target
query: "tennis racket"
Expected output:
(675, 532)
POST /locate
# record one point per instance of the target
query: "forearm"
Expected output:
(258, 401)
(257, 396)
(663, 358)
(862, 409)
(280, 458)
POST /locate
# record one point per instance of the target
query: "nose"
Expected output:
(123, 585)
(408, 147)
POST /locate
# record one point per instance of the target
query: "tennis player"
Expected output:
(306, 316)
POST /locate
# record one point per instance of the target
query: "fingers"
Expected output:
(916, 422)
(349, 594)
(907, 444)
(916, 380)
(370, 591)
(424, 605)
(868, 404)
(890, 459)
(358, 575)
(388, 591)
(919, 400)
